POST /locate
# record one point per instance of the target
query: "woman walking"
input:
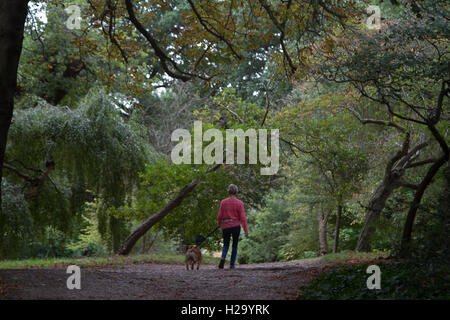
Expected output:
(231, 216)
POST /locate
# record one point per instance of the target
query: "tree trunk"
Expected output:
(12, 21)
(394, 171)
(147, 224)
(337, 228)
(407, 229)
(323, 242)
(169, 207)
(376, 205)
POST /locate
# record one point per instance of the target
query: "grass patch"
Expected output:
(399, 280)
(353, 256)
(92, 262)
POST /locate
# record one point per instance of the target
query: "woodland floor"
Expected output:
(274, 281)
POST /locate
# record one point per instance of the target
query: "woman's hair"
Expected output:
(233, 189)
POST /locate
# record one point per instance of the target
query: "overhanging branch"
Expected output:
(165, 60)
(34, 182)
(213, 31)
(378, 122)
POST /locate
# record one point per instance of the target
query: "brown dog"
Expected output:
(193, 256)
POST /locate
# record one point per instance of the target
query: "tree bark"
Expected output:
(35, 183)
(414, 206)
(147, 224)
(337, 228)
(323, 242)
(12, 21)
(409, 222)
(376, 205)
(169, 207)
(394, 171)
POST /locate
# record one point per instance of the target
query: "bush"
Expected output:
(399, 280)
(90, 242)
(268, 231)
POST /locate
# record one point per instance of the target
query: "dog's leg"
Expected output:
(187, 266)
(198, 265)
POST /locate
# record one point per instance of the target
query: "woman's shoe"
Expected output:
(231, 267)
(221, 263)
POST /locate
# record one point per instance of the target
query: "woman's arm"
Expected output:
(243, 219)
(219, 215)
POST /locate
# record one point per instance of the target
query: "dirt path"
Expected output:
(162, 281)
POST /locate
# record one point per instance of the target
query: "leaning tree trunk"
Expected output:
(337, 228)
(147, 224)
(12, 21)
(408, 227)
(376, 205)
(323, 242)
(392, 179)
(378, 201)
(170, 206)
(414, 206)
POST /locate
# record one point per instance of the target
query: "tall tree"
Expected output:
(12, 20)
(333, 153)
(404, 69)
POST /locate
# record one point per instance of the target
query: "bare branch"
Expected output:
(234, 114)
(267, 104)
(296, 146)
(35, 183)
(401, 153)
(19, 173)
(421, 163)
(406, 184)
(280, 27)
(379, 122)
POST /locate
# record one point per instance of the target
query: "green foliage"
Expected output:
(330, 167)
(156, 242)
(16, 225)
(107, 179)
(431, 240)
(348, 236)
(269, 229)
(391, 220)
(161, 181)
(51, 65)
(405, 280)
(90, 242)
(301, 240)
(93, 148)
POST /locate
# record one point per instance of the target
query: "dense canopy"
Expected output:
(87, 116)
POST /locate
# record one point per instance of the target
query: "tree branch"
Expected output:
(398, 155)
(406, 184)
(421, 163)
(213, 31)
(410, 155)
(295, 146)
(35, 183)
(19, 173)
(280, 27)
(163, 58)
(169, 207)
(379, 122)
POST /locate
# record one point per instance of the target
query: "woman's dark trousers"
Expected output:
(227, 234)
